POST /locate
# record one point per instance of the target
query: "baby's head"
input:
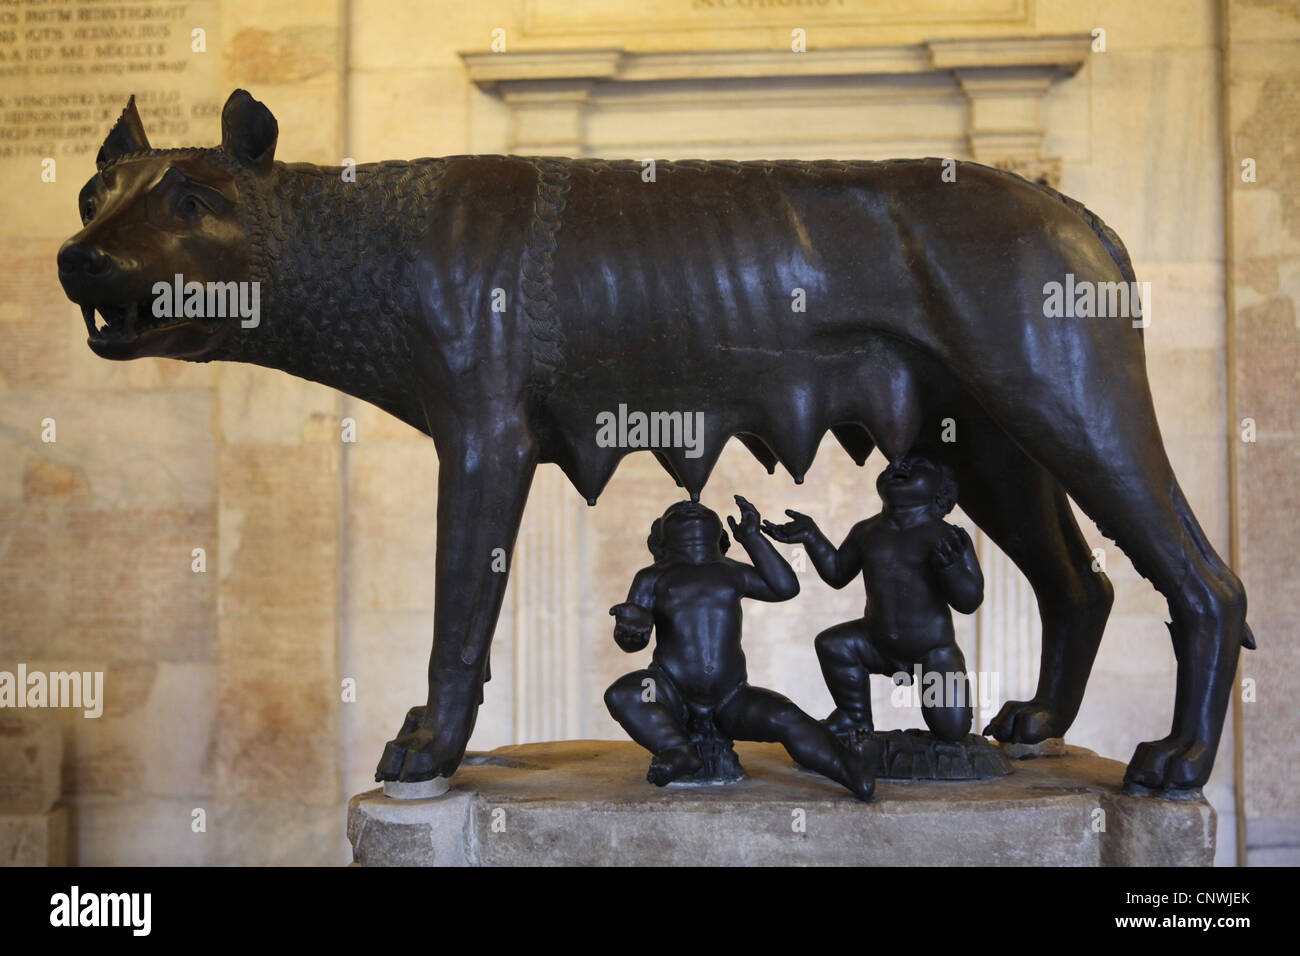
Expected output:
(917, 480)
(684, 524)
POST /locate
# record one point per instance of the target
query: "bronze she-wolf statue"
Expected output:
(501, 303)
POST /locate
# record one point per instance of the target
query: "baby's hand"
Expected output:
(801, 530)
(951, 548)
(632, 626)
(748, 526)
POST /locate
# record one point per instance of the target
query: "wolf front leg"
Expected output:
(482, 489)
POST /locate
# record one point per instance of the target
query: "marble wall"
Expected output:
(219, 740)
(225, 690)
(1261, 146)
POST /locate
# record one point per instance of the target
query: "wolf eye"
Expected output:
(189, 206)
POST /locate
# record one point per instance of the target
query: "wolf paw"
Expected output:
(1024, 722)
(1169, 765)
(420, 752)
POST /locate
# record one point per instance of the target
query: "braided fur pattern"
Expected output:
(537, 272)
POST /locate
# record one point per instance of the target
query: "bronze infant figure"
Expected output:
(915, 566)
(694, 698)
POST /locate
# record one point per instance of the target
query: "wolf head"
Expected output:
(150, 215)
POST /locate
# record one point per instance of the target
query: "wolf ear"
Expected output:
(126, 136)
(249, 131)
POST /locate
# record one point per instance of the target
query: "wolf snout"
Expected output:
(79, 258)
(82, 266)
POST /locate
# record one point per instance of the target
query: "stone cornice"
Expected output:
(1064, 53)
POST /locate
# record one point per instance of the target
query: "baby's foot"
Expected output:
(670, 765)
(860, 761)
(844, 724)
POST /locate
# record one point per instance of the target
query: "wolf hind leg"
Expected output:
(1025, 511)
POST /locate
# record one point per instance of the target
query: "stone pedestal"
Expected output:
(586, 803)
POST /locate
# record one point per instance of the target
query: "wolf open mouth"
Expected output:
(122, 322)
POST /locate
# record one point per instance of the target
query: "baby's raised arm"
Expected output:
(771, 578)
(837, 566)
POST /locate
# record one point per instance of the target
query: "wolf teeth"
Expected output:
(125, 321)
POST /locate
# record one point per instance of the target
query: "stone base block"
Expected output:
(34, 839)
(587, 803)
